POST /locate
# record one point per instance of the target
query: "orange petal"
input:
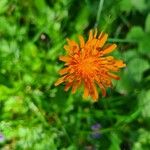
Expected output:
(68, 85)
(107, 83)
(63, 71)
(101, 86)
(94, 92)
(67, 48)
(65, 58)
(109, 58)
(120, 64)
(109, 49)
(95, 34)
(76, 85)
(82, 42)
(112, 68)
(74, 47)
(90, 35)
(102, 39)
(59, 81)
(113, 76)
(103, 89)
(93, 42)
(100, 35)
(71, 42)
(86, 92)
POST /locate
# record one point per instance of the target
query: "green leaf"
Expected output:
(40, 5)
(82, 20)
(136, 32)
(143, 140)
(130, 54)
(115, 142)
(144, 103)
(3, 6)
(147, 23)
(126, 5)
(144, 45)
(4, 92)
(125, 84)
(136, 67)
(139, 4)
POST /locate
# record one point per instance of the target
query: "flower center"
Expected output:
(87, 66)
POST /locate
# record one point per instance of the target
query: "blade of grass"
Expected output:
(100, 7)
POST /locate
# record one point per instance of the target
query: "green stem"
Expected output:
(39, 113)
(63, 128)
(121, 40)
(101, 2)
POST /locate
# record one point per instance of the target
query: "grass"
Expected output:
(36, 115)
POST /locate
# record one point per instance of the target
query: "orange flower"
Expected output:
(88, 64)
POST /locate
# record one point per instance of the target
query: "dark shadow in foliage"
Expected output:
(50, 3)
(125, 145)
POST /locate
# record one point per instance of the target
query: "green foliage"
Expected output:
(36, 115)
(147, 23)
(144, 101)
(139, 4)
(126, 5)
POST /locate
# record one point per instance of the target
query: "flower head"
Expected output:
(87, 64)
(96, 126)
(96, 131)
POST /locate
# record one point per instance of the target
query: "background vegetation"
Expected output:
(36, 115)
